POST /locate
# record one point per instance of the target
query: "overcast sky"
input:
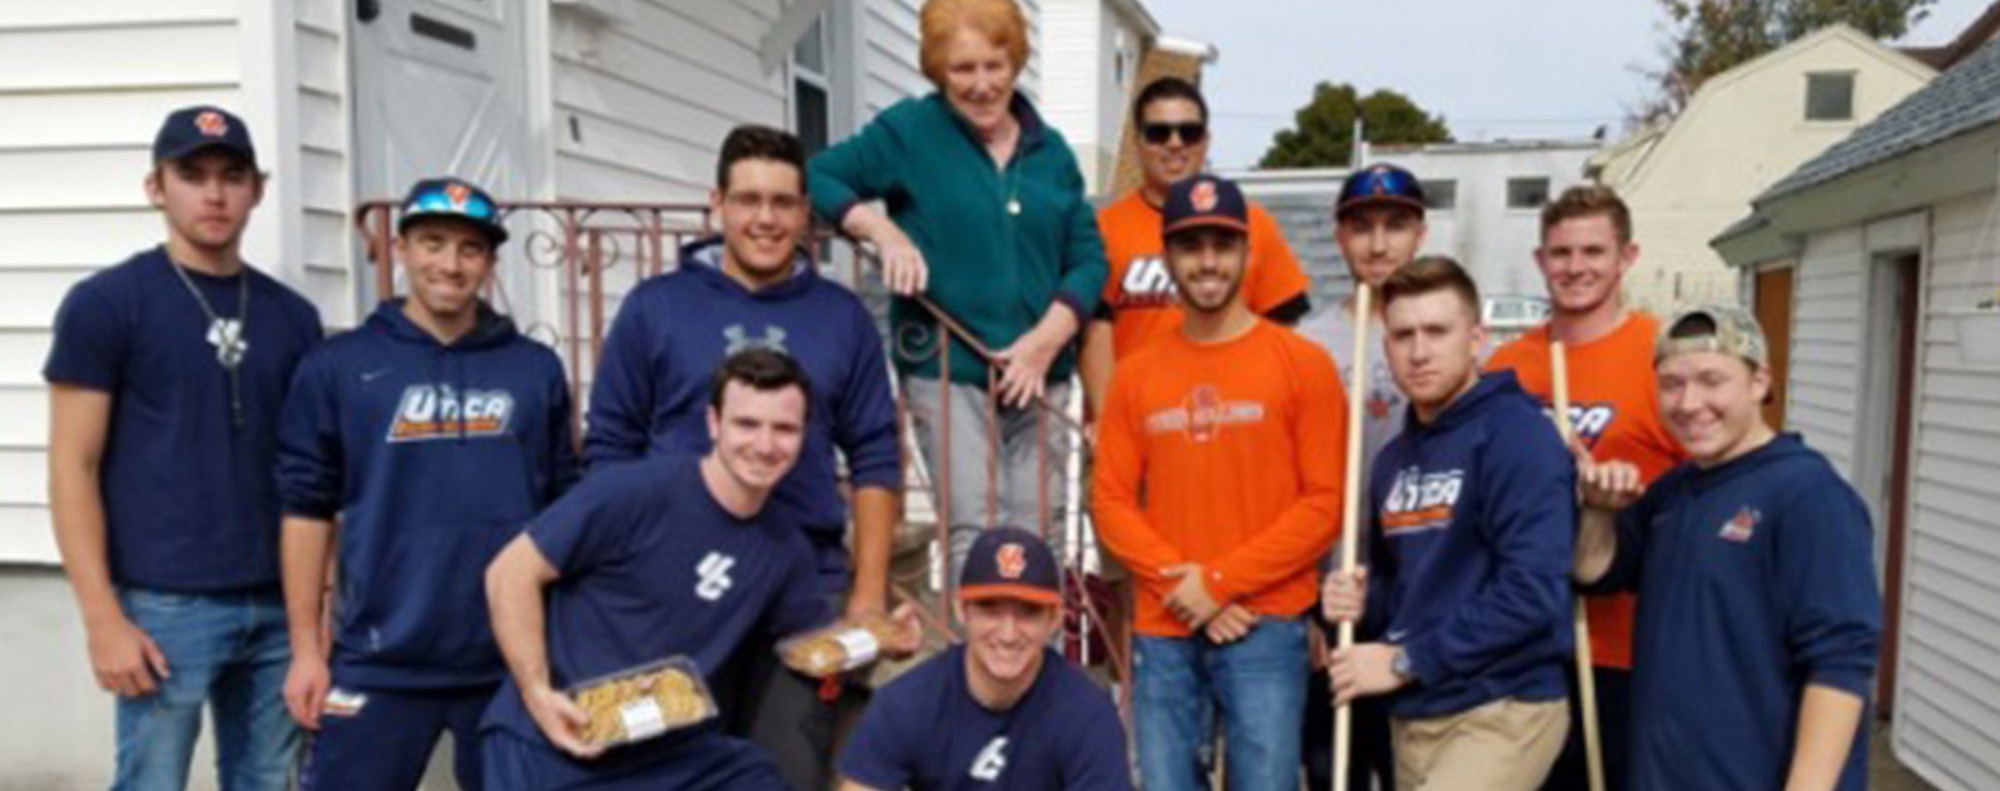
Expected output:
(1512, 69)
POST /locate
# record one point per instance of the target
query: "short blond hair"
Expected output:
(1001, 21)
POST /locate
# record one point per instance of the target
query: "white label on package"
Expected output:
(642, 719)
(861, 647)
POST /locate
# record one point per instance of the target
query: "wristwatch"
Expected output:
(1400, 665)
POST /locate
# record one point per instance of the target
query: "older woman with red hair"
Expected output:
(987, 217)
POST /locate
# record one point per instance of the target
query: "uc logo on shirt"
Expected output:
(1421, 501)
(1147, 284)
(439, 411)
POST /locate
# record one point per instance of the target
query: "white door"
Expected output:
(440, 88)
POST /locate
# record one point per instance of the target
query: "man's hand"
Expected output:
(1230, 625)
(305, 689)
(909, 633)
(561, 720)
(125, 659)
(1606, 486)
(1189, 600)
(1364, 671)
(1343, 596)
(904, 270)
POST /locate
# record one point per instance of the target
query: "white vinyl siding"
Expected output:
(1948, 710)
(1826, 346)
(83, 86)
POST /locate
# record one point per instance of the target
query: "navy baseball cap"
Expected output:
(201, 127)
(1380, 184)
(456, 199)
(1010, 563)
(1205, 201)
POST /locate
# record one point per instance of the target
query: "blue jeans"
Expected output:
(229, 651)
(1259, 683)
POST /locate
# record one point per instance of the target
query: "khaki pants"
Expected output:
(1506, 745)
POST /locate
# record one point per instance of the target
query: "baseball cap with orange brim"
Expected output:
(1011, 563)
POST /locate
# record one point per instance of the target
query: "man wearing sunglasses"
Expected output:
(1140, 302)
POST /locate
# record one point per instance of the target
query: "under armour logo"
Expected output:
(991, 761)
(714, 573)
(740, 339)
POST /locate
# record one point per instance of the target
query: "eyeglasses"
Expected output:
(1191, 133)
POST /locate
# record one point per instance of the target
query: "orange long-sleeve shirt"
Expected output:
(1230, 455)
(1614, 403)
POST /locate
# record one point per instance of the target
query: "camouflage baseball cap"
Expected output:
(1713, 328)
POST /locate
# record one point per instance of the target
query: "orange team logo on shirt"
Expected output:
(1203, 415)
(211, 124)
(1203, 196)
(1741, 527)
(440, 411)
(1421, 502)
(1013, 561)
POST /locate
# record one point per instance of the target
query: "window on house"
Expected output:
(1527, 193)
(1830, 96)
(1441, 195)
(809, 89)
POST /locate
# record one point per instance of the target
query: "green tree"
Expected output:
(1708, 37)
(1323, 133)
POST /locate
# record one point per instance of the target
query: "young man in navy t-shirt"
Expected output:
(754, 285)
(1002, 711)
(167, 374)
(1758, 618)
(432, 433)
(671, 555)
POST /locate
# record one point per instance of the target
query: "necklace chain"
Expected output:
(230, 346)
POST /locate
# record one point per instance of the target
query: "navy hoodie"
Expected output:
(1756, 578)
(652, 390)
(1473, 523)
(433, 457)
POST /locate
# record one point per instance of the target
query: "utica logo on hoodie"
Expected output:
(1421, 501)
(441, 412)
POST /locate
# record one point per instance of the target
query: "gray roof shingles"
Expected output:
(1963, 99)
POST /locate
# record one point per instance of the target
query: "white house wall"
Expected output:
(1826, 345)
(84, 86)
(318, 117)
(1948, 706)
(1078, 31)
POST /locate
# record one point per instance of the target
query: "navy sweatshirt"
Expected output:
(433, 457)
(1473, 524)
(1756, 579)
(651, 395)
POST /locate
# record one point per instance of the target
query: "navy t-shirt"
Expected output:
(1756, 579)
(652, 566)
(926, 732)
(190, 499)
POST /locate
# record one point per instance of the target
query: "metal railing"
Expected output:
(581, 257)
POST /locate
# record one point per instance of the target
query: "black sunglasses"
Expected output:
(1191, 132)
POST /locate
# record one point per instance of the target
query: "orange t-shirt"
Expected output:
(1614, 405)
(1227, 455)
(1140, 292)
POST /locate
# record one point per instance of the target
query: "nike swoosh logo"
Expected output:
(374, 375)
(1395, 636)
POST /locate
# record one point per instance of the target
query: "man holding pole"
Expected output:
(1473, 511)
(1759, 618)
(1614, 407)
(1216, 487)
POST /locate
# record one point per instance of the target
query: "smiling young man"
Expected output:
(1472, 508)
(415, 447)
(166, 378)
(754, 286)
(1218, 486)
(1758, 617)
(1586, 251)
(1140, 303)
(1002, 710)
(671, 555)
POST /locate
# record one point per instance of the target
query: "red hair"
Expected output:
(1001, 21)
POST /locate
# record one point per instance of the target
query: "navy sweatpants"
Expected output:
(387, 741)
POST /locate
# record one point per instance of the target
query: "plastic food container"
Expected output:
(643, 702)
(837, 649)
